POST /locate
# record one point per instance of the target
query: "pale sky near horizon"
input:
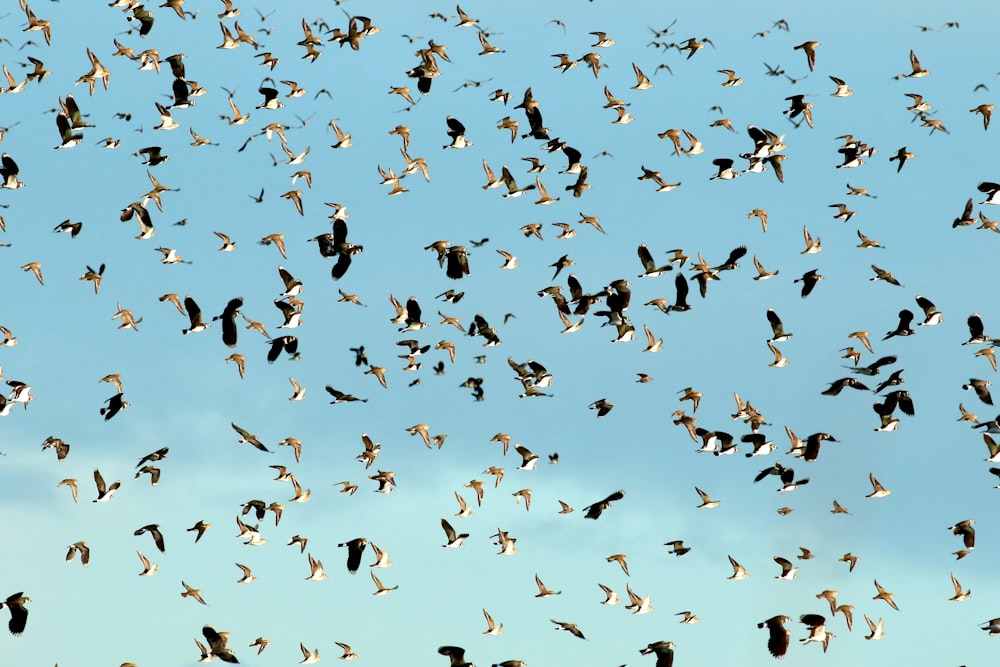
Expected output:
(182, 394)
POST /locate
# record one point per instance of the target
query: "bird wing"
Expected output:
(776, 325)
(448, 530)
(455, 127)
(975, 326)
(777, 642)
(193, 311)
(646, 258)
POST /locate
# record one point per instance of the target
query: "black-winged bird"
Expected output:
(355, 548)
(289, 344)
(903, 328)
(228, 317)
(18, 614)
(809, 280)
(594, 511)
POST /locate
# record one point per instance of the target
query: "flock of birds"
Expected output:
(186, 85)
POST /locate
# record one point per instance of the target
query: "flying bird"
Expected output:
(316, 572)
(982, 389)
(778, 636)
(217, 644)
(663, 650)
(190, 592)
(228, 317)
(456, 130)
(456, 655)
(594, 510)
(903, 328)
(572, 628)
(916, 71)
(960, 594)
(81, 548)
(199, 528)
(355, 548)
(154, 531)
(788, 571)
(18, 613)
(454, 540)
(249, 438)
(809, 48)
(876, 629)
(148, 569)
(883, 594)
(104, 491)
(611, 598)
(809, 280)
(492, 628)
(777, 328)
(71, 483)
(965, 530)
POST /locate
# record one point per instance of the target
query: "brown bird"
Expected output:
(731, 79)
(810, 50)
(296, 197)
(916, 70)
(882, 274)
(990, 354)
(81, 548)
(71, 483)
(960, 595)
(902, 155)
(863, 337)
(884, 595)
(94, 277)
(192, 592)
(240, 361)
(278, 240)
(572, 628)
(986, 111)
(691, 395)
(761, 215)
(620, 559)
(867, 242)
(523, 493)
(176, 300)
(36, 268)
(261, 644)
(200, 529)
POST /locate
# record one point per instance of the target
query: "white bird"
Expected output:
(739, 572)
(876, 629)
(492, 628)
(316, 569)
(308, 657)
(454, 540)
(510, 261)
(638, 605)
(611, 598)
(960, 595)
(788, 571)
(878, 491)
(148, 569)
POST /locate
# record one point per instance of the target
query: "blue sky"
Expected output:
(183, 395)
